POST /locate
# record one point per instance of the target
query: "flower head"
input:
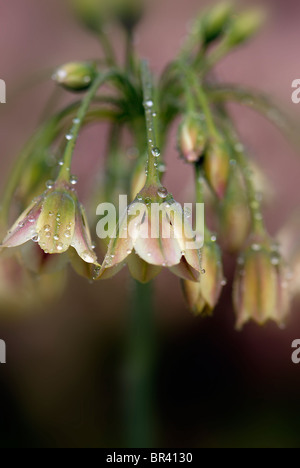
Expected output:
(261, 290)
(56, 221)
(203, 296)
(153, 233)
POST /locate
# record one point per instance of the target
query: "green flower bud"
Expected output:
(91, 12)
(76, 76)
(245, 26)
(215, 21)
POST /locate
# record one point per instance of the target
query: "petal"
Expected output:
(185, 271)
(24, 228)
(140, 270)
(86, 270)
(152, 246)
(185, 236)
(56, 223)
(82, 242)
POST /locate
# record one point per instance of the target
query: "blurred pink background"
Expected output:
(59, 386)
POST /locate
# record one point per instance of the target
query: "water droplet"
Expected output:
(148, 201)
(49, 184)
(224, 282)
(149, 254)
(256, 247)
(187, 212)
(69, 137)
(275, 261)
(149, 103)
(129, 251)
(87, 79)
(88, 257)
(156, 152)
(68, 234)
(139, 198)
(31, 219)
(162, 192)
(51, 213)
(203, 271)
(239, 148)
(76, 121)
(74, 180)
(61, 163)
(213, 238)
(35, 238)
(47, 228)
(69, 226)
(48, 235)
(56, 237)
(21, 224)
(59, 247)
(162, 168)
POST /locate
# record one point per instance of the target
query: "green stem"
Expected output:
(72, 136)
(108, 49)
(153, 151)
(203, 102)
(140, 366)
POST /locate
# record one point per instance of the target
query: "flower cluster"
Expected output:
(55, 224)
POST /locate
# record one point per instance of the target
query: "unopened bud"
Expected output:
(245, 27)
(191, 138)
(75, 76)
(216, 20)
(216, 165)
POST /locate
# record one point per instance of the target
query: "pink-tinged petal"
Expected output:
(185, 271)
(153, 246)
(185, 236)
(24, 228)
(82, 242)
(140, 270)
(121, 245)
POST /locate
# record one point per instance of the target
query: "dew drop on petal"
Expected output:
(35, 238)
(47, 228)
(68, 234)
(31, 219)
(56, 237)
(88, 257)
(59, 247)
(203, 271)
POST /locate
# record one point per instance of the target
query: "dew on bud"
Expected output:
(256, 247)
(213, 238)
(47, 228)
(31, 219)
(68, 234)
(35, 238)
(224, 282)
(203, 271)
(162, 192)
(76, 121)
(56, 237)
(59, 247)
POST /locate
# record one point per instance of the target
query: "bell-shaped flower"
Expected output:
(261, 290)
(203, 296)
(153, 233)
(56, 221)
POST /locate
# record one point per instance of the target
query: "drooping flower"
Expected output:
(216, 167)
(203, 296)
(191, 138)
(261, 290)
(56, 221)
(154, 233)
